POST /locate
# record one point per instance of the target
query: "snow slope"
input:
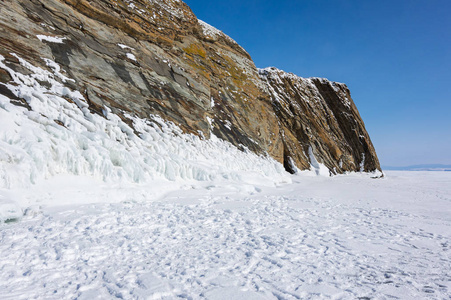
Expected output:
(58, 134)
(345, 237)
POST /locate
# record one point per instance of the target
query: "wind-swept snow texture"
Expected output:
(343, 237)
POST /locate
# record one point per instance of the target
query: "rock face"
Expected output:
(319, 121)
(145, 57)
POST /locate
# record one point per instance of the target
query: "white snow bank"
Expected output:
(58, 136)
(9, 209)
(316, 166)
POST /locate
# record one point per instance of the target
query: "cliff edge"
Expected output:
(319, 123)
(141, 58)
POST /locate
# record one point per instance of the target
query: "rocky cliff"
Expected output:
(141, 58)
(319, 122)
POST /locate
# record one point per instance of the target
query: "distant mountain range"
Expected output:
(425, 167)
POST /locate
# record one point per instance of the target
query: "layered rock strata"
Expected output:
(146, 57)
(319, 120)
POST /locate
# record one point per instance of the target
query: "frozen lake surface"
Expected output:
(345, 237)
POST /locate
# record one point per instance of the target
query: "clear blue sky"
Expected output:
(395, 56)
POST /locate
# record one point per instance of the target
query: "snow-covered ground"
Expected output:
(345, 237)
(91, 207)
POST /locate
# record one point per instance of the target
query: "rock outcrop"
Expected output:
(319, 121)
(141, 57)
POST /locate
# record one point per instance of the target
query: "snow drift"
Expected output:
(58, 134)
